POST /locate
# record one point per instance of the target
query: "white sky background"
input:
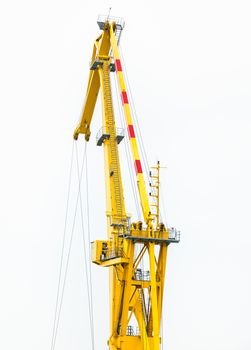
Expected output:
(190, 72)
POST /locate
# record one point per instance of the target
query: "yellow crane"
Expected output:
(135, 295)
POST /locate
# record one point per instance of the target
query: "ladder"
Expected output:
(111, 129)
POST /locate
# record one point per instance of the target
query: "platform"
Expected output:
(104, 135)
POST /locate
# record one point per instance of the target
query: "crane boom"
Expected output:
(135, 295)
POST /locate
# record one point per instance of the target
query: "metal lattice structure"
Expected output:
(134, 293)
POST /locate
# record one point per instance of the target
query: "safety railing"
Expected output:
(120, 133)
(174, 234)
(112, 254)
(140, 275)
(102, 19)
(103, 134)
(132, 331)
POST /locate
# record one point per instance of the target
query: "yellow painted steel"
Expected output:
(135, 294)
(155, 193)
(134, 147)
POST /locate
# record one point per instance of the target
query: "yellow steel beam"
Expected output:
(127, 296)
(133, 142)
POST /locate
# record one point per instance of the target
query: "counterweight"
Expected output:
(136, 295)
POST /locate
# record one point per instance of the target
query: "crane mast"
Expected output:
(135, 294)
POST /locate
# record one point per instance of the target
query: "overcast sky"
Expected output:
(189, 65)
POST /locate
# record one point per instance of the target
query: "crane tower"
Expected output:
(135, 294)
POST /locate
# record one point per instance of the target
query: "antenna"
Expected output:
(109, 13)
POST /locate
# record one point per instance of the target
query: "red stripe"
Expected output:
(124, 97)
(138, 167)
(131, 131)
(118, 66)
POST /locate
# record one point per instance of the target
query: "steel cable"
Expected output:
(67, 262)
(141, 142)
(127, 152)
(63, 247)
(89, 241)
(135, 117)
(85, 255)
